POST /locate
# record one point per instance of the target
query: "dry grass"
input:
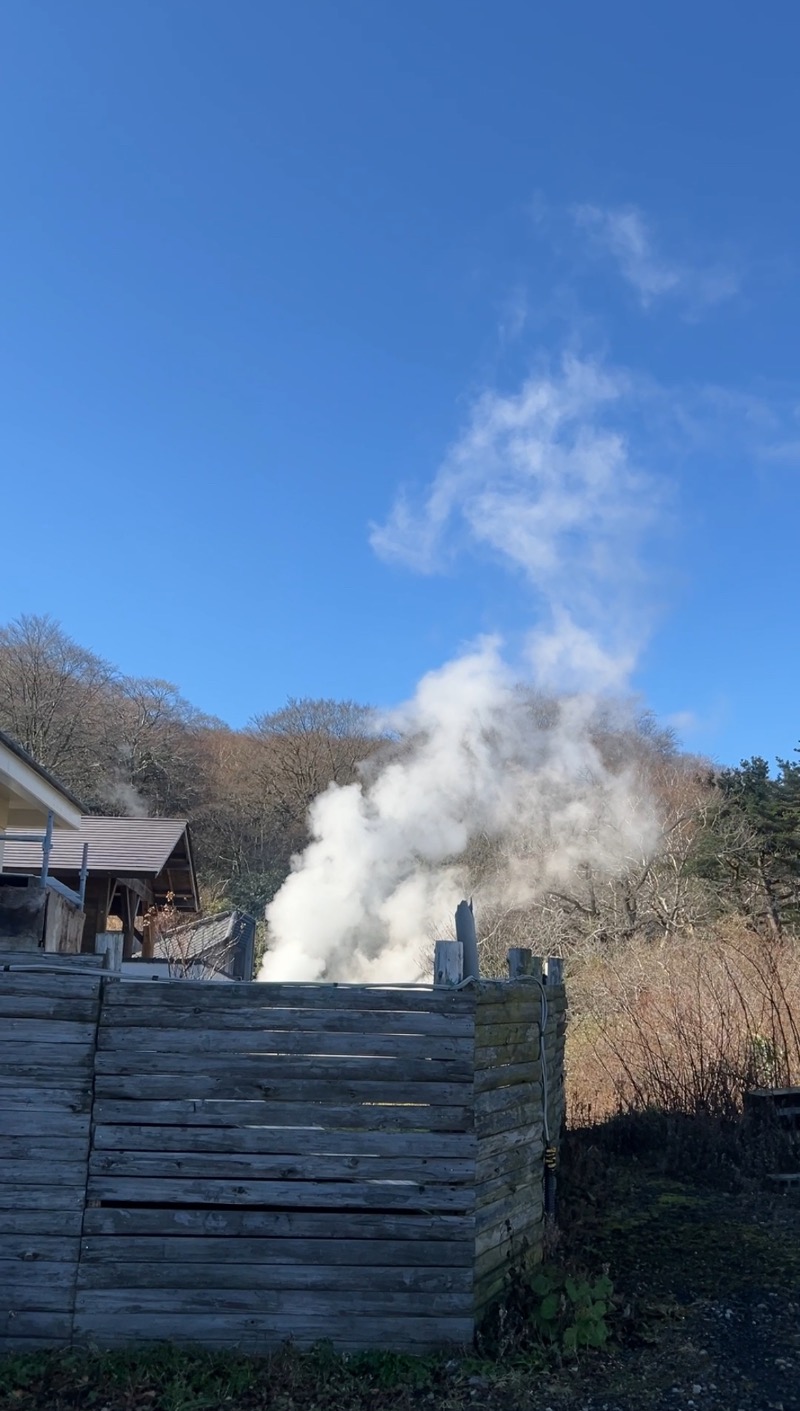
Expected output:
(683, 1027)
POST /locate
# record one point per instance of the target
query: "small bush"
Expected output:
(551, 1312)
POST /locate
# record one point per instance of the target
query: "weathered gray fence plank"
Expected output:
(256, 1111)
(32, 1005)
(529, 1135)
(495, 1244)
(46, 1098)
(16, 1328)
(224, 1043)
(505, 1207)
(516, 1159)
(34, 1147)
(293, 1277)
(47, 984)
(40, 1221)
(288, 996)
(45, 1034)
(290, 1141)
(34, 1283)
(279, 1224)
(119, 1190)
(331, 1070)
(18, 1055)
(511, 1075)
(284, 1303)
(225, 1025)
(257, 1332)
(161, 1086)
(41, 1197)
(499, 1035)
(39, 1247)
(257, 1165)
(508, 1099)
(39, 1072)
(16, 1172)
(490, 1123)
(47, 1124)
(414, 1252)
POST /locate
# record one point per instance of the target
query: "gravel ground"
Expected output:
(714, 1285)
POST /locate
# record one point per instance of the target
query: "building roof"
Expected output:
(25, 780)
(223, 942)
(154, 848)
(197, 936)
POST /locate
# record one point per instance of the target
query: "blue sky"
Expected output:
(260, 262)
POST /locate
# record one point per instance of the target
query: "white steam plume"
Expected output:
(545, 480)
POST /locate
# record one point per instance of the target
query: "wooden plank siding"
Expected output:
(512, 1059)
(353, 1163)
(47, 1047)
(337, 1123)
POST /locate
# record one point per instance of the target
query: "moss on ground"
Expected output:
(668, 1236)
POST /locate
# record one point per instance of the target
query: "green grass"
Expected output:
(172, 1379)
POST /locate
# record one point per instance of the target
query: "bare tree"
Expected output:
(158, 749)
(56, 699)
(306, 746)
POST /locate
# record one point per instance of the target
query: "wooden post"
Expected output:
(109, 945)
(448, 964)
(468, 936)
(554, 971)
(520, 962)
(148, 937)
(527, 967)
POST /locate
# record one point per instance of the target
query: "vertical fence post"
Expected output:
(554, 970)
(468, 936)
(553, 977)
(84, 873)
(523, 965)
(109, 945)
(520, 962)
(47, 847)
(448, 963)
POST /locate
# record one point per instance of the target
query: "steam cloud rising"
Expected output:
(544, 481)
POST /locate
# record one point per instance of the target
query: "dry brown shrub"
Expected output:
(688, 1026)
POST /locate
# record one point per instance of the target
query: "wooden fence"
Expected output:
(48, 1036)
(241, 1164)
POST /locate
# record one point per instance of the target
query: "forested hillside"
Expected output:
(135, 746)
(729, 842)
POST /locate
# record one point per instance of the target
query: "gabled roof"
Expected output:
(31, 788)
(120, 847)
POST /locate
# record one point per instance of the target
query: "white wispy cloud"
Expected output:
(624, 234)
(546, 480)
(533, 471)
